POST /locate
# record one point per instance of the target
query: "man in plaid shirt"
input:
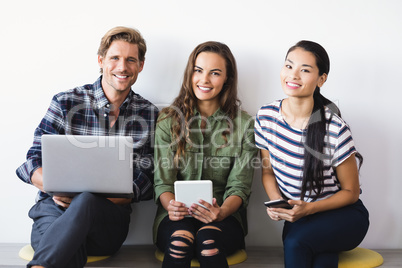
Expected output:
(67, 229)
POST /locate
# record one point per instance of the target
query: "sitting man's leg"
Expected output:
(91, 225)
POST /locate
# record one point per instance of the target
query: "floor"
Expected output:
(143, 257)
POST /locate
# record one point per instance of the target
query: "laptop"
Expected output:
(73, 164)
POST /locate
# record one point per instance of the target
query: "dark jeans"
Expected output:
(92, 225)
(228, 239)
(316, 240)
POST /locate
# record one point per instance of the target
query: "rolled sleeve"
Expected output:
(241, 176)
(165, 171)
(52, 123)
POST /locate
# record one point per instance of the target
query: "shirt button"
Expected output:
(105, 115)
(107, 105)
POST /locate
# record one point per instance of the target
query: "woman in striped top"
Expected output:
(309, 159)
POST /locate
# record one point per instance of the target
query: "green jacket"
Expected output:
(229, 167)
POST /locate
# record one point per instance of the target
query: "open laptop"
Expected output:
(98, 164)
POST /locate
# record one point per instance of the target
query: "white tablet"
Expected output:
(189, 192)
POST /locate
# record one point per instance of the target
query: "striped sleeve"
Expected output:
(341, 141)
(261, 125)
(260, 140)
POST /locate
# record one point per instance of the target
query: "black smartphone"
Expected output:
(280, 203)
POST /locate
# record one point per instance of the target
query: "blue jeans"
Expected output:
(316, 240)
(92, 225)
(226, 236)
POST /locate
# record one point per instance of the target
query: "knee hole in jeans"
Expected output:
(211, 251)
(180, 241)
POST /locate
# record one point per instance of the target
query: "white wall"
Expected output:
(50, 46)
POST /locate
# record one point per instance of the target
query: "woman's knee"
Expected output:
(180, 245)
(293, 244)
(208, 240)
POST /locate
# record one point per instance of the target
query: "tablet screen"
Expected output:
(189, 192)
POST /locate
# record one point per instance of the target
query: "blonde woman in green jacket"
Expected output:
(204, 135)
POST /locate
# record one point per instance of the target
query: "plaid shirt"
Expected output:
(85, 111)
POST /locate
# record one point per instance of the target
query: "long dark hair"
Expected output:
(182, 109)
(313, 170)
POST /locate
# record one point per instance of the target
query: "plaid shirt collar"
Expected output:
(101, 100)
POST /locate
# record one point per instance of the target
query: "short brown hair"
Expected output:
(129, 35)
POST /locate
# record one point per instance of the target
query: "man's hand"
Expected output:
(63, 201)
(120, 201)
(37, 179)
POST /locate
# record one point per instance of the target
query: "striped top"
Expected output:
(286, 149)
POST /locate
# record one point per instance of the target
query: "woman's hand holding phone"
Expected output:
(279, 203)
(273, 205)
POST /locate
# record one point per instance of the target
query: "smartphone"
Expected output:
(280, 203)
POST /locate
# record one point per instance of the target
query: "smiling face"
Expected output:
(121, 66)
(209, 76)
(300, 74)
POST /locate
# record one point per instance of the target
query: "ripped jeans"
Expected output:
(211, 243)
